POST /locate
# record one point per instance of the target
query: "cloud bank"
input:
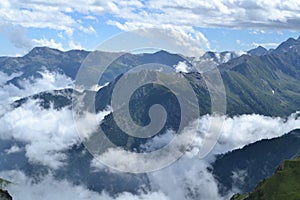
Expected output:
(47, 133)
(26, 188)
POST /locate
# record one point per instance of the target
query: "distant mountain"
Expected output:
(291, 45)
(40, 58)
(258, 51)
(244, 168)
(220, 57)
(284, 184)
(267, 84)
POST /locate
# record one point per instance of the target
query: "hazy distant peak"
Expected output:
(258, 51)
(43, 50)
(289, 45)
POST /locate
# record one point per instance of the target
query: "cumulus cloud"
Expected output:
(48, 81)
(27, 188)
(182, 67)
(48, 43)
(239, 131)
(13, 149)
(175, 39)
(266, 45)
(230, 14)
(185, 17)
(46, 132)
(189, 177)
(16, 35)
(75, 45)
(236, 132)
(4, 77)
(52, 15)
(97, 87)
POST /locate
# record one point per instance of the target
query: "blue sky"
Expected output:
(216, 25)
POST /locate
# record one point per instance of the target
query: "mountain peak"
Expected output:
(162, 52)
(258, 51)
(291, 40)
(43, 50)
(220, 57)
(289, 45)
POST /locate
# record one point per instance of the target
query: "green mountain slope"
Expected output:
(283, 185)
(267, 84)
(244, 168)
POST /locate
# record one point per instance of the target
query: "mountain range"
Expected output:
(266, 84)
(261, 81)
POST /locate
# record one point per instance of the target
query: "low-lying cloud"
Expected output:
(189, 177)
(30, 86)
(26, 188)
(48, 133)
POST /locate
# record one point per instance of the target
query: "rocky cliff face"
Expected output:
(4, 195)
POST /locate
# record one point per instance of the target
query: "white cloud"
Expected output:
(88, 29)
(245, 129)
(13, 149)
(48, 43)
(182, 67)
(266, 45)
(16, 35)
(133, 14)
(236, 132)
(75, 45)
(97, 87)
(55, 15)
(27, 188)
(189, 175)
(186, 179)
(174, 39)
(4, 77)
(49, 81)
(46, 132)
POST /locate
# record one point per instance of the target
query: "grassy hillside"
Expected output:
(266, 85)
(283, 185)
(258, 161)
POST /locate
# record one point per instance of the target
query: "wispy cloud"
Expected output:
(266, 45)
(27, 188)
(48, 43)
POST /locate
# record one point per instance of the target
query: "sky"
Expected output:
(216, 25)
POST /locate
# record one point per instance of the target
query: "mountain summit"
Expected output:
(258, 51)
